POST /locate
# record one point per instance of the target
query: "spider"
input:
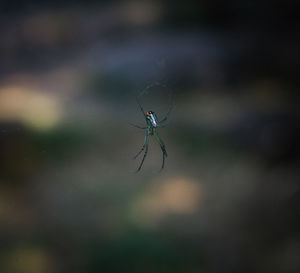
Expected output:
(152, 123)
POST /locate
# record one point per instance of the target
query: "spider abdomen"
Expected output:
(152, 119)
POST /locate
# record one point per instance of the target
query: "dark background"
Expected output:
(228, 198)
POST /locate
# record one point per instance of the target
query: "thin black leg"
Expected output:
(146, 150)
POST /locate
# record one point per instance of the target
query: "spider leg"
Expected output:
(163, 149)
(139, 152)
(163, 125)
(146, 149)
(137, 126)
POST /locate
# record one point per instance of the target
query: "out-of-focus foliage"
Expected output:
(228, 199)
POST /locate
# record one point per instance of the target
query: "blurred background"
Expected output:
(228, 198)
